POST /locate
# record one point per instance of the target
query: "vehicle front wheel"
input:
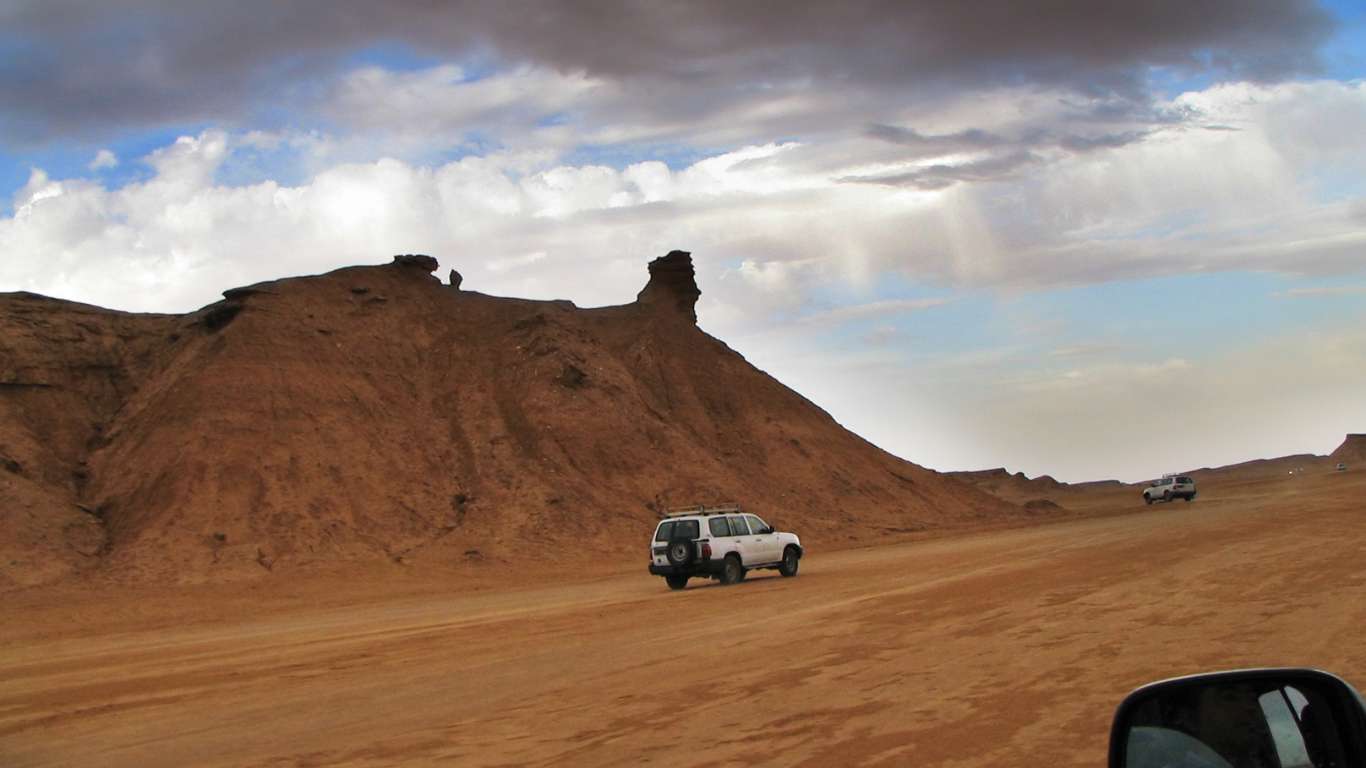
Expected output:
(1147, 499)
(791, 561)
(676, 582)
(732, 571)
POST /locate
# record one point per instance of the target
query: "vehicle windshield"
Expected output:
(676, 529)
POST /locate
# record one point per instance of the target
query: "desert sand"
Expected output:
(986, 648)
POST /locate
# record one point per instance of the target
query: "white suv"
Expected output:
(1168, 488)
(719, 543)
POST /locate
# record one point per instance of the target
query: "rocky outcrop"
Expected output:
(1352, 450)
(672, 286)
(420, 261)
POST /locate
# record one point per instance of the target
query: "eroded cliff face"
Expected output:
(65, 371)
(1352, 450)
(373, 413)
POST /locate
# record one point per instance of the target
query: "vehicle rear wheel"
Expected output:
(791, 560)
(680, 552)
(1189, 497)
(732, 571)
(676, 582)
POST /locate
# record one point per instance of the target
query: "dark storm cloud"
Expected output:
(73, 67)
(1101, 141)
(939, 176)
(1008, 155)
(975, 138)
(972, 138)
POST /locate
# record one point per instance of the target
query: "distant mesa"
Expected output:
(1353, 448)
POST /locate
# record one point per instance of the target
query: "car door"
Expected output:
(741, 540)
(766, 543)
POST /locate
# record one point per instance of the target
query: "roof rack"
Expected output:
(700, 509)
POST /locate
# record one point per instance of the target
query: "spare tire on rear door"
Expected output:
(680, 552)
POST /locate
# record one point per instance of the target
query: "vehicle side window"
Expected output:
(755, 524)
(719, 526)
(1185, 480)
(738, 527)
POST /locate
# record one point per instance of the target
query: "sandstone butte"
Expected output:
(376, 415)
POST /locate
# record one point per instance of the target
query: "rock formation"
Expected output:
(367, 415)
(1352, 451)
(420, 261)
(672, 285)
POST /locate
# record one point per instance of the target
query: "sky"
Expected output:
(1089, 239)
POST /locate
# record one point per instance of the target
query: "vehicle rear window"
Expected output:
(719, 526)
(677, 529)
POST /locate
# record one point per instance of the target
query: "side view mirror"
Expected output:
(1278, 718)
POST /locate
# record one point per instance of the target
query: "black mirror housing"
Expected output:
(1252, 717)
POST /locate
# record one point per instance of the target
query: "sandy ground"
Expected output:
(1000, 648)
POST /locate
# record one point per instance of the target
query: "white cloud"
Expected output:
(39, 187)
(774, 216)
(873, 309)
(515, 262)
(103, 159)
(777, 236)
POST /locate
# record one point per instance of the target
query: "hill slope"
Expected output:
(375, 413)
(1352, 451)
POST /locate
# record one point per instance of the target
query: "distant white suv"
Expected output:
(1170, 487)
(719, 543)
